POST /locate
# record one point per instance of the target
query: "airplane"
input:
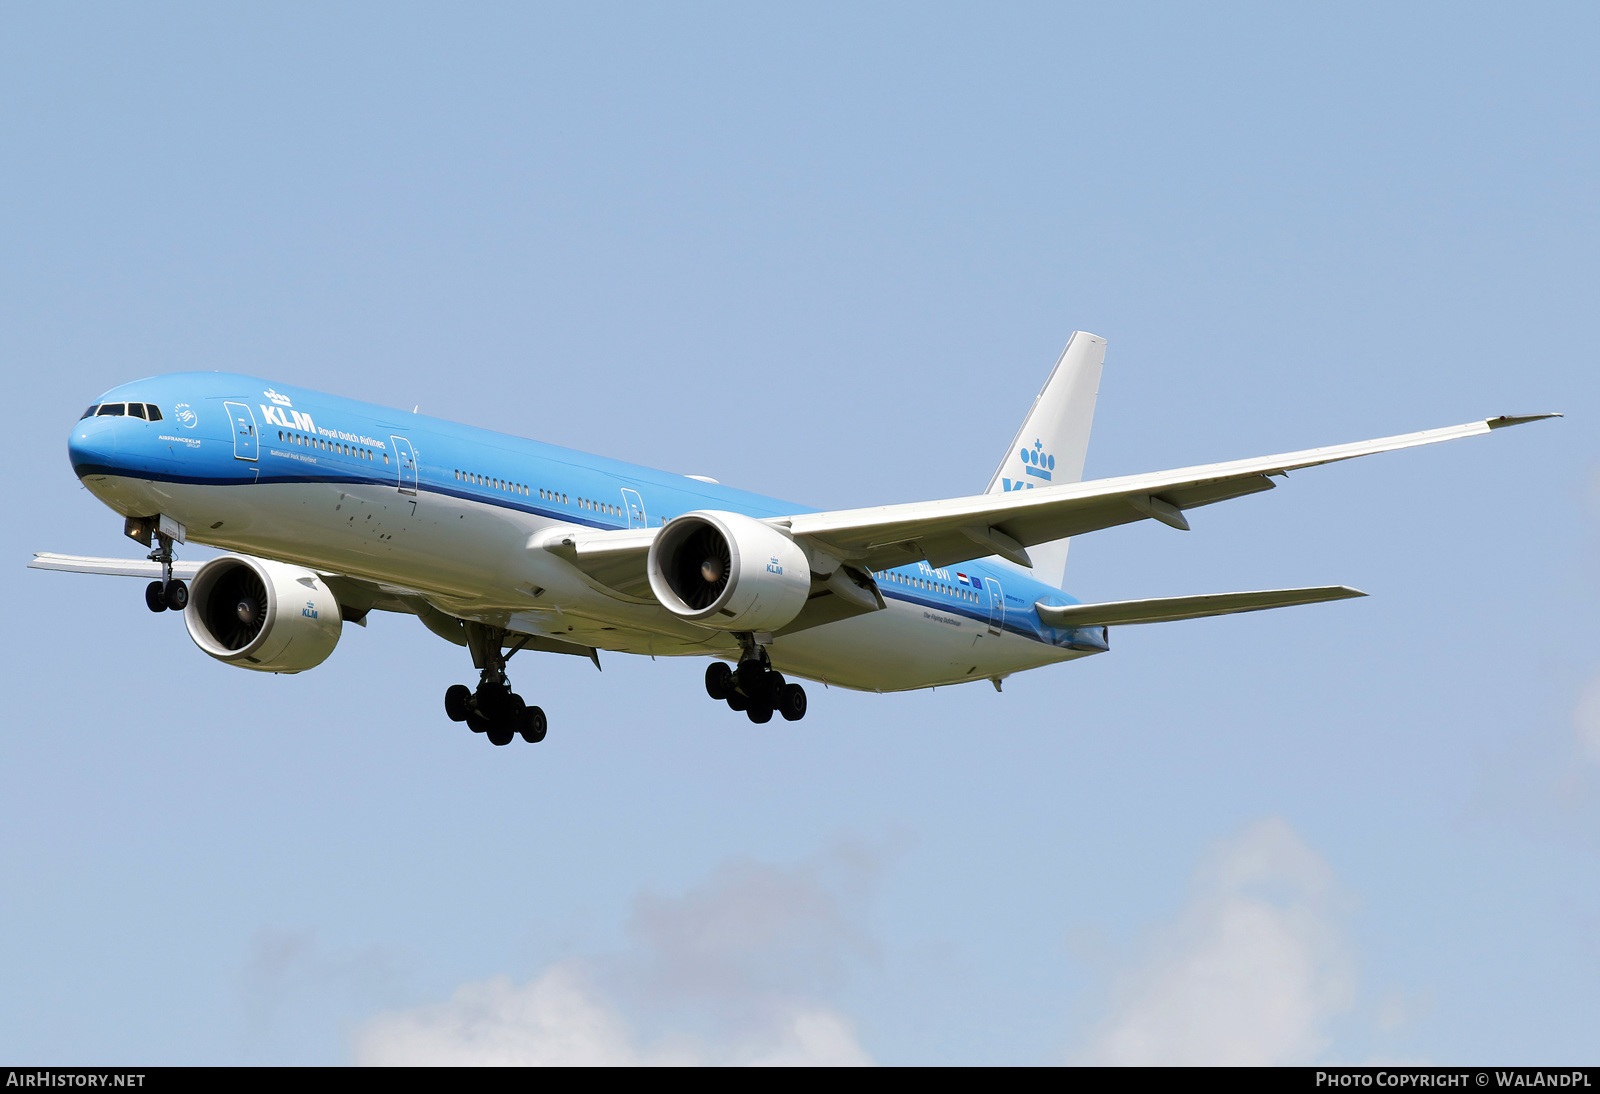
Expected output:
(331, 509)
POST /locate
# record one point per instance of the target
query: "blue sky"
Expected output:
(829, 254)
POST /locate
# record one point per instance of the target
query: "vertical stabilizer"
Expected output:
(1050, 447)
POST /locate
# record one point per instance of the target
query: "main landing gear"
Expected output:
(755, 687)
(493, 709)
(169, 592)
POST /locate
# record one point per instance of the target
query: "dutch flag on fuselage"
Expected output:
(965, 580)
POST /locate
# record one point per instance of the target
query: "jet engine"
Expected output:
(728, 572)
(262, 615)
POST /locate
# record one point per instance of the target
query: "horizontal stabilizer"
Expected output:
(1167, 609)
(112, 567)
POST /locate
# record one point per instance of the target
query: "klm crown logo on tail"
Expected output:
(1034, 462)
(1059, 422)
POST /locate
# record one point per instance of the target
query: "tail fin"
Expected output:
(1054, 438)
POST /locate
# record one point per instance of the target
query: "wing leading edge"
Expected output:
(947, 532)
(1168, 609)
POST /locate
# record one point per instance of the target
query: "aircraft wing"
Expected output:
(356, 597)
(955, 530)
(1170, 608)
(112, 567)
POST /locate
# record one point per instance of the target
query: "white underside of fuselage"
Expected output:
(472, 560)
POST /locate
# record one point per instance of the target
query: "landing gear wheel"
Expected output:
(176, 595)
(773, 684)
(759, 715)
(719, 680)
(154, 598)
(457, 702)
(534, 725)
(750, 676)
(477, 722)
(488, 700)
(506, 717)
(792, 702)
(737, 701)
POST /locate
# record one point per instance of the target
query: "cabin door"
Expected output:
(997, 606)
(634, 504)
(245, 442)
(407, 459)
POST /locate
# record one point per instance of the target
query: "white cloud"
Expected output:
(555, 1020)
(1252, 971)
(732, 972)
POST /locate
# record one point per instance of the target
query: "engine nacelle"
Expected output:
(267, 616)
(729, 572)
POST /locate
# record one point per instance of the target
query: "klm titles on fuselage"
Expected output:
(278, 414)
(1035, 464)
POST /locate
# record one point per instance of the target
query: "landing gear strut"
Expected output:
(493, 709)
(755, 687)
(169, 592)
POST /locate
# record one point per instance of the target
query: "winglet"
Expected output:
(1517, 419)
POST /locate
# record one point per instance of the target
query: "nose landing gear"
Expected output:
(169, 592)
(755, 687)
(493, 709)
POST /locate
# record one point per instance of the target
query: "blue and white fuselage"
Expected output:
(335, 508)
(455, 514)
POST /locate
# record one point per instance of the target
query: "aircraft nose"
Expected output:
(92, 446)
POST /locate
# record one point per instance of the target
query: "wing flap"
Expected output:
(1170, 608)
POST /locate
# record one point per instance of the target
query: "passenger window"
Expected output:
(112, 410)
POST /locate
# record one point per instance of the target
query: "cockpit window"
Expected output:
(153, 412)
(90, 412)
(112, 410)
(136, 410)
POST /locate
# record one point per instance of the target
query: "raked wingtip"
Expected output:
(1517, 419)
